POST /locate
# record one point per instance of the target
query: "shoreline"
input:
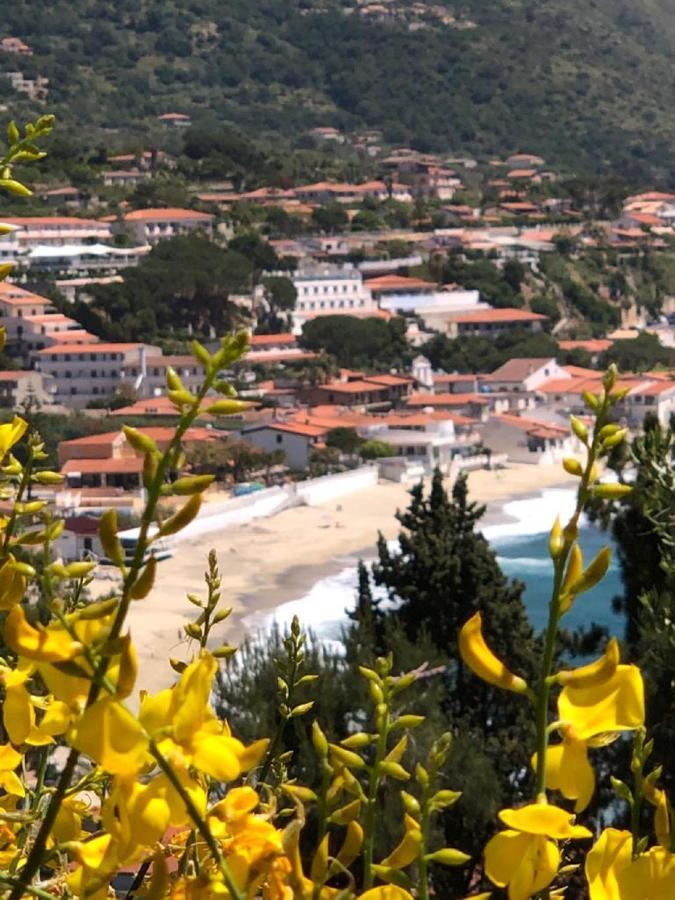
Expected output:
(270, 562)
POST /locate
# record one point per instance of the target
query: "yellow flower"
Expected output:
(569, 771)
(408, 849)
(37, 642)
(68, 824)
(662, 813)
(610, 707)
(11, 434)
(650, 877)
(9, 780)
(12, 584)
(525, 857)
(482, 661)
(610, 854)
(18, 711)
(110, 735)
(386, 892)
(183, 722)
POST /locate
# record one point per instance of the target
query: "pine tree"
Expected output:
(368, 619)
(442, 572)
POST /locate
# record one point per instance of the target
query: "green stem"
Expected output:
(422, 866)
(371, 802)
(154, 492)
(199, 822)
(554, 615)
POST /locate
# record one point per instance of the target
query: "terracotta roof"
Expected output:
(173, 116)
(351, 387)
(444, 378)
(531, 425)
(581, 372)
(425, 399)
(114, 466)
(397, 283)
(51, 220)
(82, 524)
(597, 345)
(496, 315)
(18, 296)
(312, 431)
(522, 173)
(88, 348)
(519, 368)
(14, 374)
(171, 213)
(392, 380)
(271, 340)
(653, 389)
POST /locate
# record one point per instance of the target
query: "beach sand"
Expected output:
(271, 561)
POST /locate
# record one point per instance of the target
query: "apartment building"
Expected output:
(325, 290)
(488, 322)
(149, 226)
(18, 387)
(87, 372)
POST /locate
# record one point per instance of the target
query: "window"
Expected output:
(94, 373)
(280, 439)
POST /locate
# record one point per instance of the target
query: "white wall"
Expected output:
(321, 490)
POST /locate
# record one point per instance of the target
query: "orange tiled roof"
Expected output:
(171, 213)
(425, 399)
(398, 282)
(496, 315)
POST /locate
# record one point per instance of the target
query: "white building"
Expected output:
(86, 372)
(325, 290)
(54, 231)
(524, 375)
(150, 226)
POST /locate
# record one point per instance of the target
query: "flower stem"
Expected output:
(371, 802)
(199, 821)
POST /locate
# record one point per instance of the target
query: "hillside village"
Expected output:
(438, 257)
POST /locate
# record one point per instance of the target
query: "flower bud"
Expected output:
(573, 466)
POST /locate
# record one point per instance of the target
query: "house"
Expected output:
(528, 440)
(35, 88)
(488, 322)
(79, 539)
(82, 258)
(296, 440)
(66, 196)
(149, 373)
(109, 461)
(523, 375)
(413, 296)
(275, 348)
(16, 303)
(175, 120)
(325, 289)
(18, 387)
(593, 346)
(366, 391)
(524, 160)
(56, 231)
(432, 438)
(87, 372)
(473, 405)
(15, 45)
(327, 133)
(124, 177)
(150, 226)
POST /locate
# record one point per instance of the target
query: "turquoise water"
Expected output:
(521, 543)
(526, 559)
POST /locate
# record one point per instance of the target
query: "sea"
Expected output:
(521, 545)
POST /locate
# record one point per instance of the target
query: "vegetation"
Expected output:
(358, 343)
(279, 68)
(478, 354)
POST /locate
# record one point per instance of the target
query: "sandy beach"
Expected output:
(271, 561)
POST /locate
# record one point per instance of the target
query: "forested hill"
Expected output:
(588, 83)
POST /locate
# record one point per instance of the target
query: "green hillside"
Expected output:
(586, 83)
